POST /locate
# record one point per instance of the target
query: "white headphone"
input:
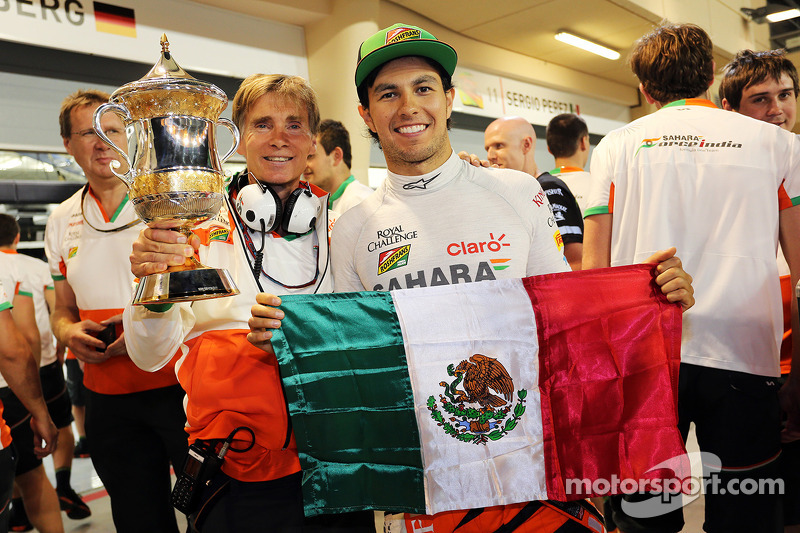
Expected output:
(260, 208)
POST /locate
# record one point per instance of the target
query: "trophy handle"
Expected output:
(235, 132)
(98, 129)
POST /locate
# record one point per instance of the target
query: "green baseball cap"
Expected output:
(402, 40)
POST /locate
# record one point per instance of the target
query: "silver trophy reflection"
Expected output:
(174, 171)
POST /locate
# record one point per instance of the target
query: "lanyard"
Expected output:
(255, 267)
(112, 230)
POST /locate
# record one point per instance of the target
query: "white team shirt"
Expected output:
(349, 194)
(457, 224)
(708, 182)
(38, 281)
(287, 260)
(579, 182)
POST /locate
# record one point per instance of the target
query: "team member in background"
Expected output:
(329, 168)
(275, 240)
(511, 143)
(18, 367)
(134, 419)
(32, 483)
(568, 141)
(763, 85)
(406, 96)
(721, 186)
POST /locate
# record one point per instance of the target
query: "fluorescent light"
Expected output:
(783, 15)
(589, 46)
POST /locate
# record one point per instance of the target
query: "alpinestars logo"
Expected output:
(391, 259)
(690, 142)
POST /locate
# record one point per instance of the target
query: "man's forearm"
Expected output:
(21, 372)
(60, 320)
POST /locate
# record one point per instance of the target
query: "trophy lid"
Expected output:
(168, 81)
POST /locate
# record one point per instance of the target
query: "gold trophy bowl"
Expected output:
(174, 170)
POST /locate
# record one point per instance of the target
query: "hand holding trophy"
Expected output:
(174, 171)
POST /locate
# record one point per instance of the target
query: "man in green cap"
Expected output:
(423, 225)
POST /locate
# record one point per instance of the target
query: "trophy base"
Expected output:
(184, 286)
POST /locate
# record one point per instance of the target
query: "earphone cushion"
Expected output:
(255, 204)
(302, 211)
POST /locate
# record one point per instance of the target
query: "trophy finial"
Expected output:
(164, 44)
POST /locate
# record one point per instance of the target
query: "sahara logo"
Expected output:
(488, 416)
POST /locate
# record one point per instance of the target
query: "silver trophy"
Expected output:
(174, 171)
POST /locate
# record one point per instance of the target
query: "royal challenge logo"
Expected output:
(692, 143)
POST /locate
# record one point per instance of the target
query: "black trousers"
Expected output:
(276, 506)
(8, 462)
(132, 440)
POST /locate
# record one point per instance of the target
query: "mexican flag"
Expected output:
(481, 394)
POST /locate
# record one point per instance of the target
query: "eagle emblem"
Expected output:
(483, 410)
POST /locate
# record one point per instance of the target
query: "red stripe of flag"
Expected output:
(603, 357)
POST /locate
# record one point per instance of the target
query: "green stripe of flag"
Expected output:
(356, 396)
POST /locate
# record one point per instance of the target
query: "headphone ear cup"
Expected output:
(256, 205)
(302, 210)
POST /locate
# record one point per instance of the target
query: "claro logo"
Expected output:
(468, 248)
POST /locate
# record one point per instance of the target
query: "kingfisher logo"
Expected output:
(72, 252)
(691, 143)
(391, 259)
(558, 239)
(401, 34)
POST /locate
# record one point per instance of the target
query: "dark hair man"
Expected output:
(761, 85)
(19, 368)
(568, 141)
(432, 198)
(329, 168)
(721, 186)
(35, 290)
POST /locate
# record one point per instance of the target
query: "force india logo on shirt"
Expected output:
(692, 142)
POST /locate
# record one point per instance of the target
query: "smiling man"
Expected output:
(438, 220)
(761, 85)
(271, 235)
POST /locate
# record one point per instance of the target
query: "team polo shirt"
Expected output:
(457, 224)
(579, 182)
(97, 267)
(350, 193)
(40, 282)
(5, 431)
(711, 183)
(228, 381)
(17, 274)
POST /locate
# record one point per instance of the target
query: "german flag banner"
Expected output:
(481, 394)
(118, 20)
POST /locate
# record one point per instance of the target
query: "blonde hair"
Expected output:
(293, 88)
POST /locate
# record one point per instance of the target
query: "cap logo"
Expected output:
(401, 34)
